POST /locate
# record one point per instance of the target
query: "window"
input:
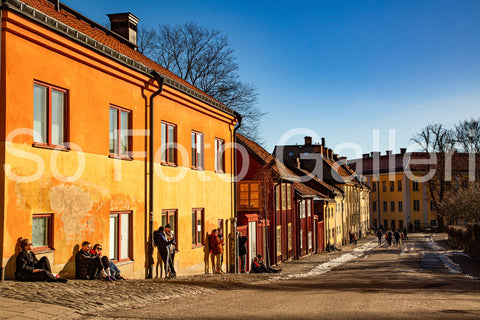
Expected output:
(302, 208)
(393, 224)
(249, 195)
(171, 217)
(278, 237)
(119, 138)
(219, 155)
(284, 196)
(433, 223)
(415, 185)
(385, 223)
(121, 236)
(392, 186)
(399, 185)
(309, 209)
(277, 198)
(385, 206)
(375, 223)
(42, 231)
(374, 186)
(374, 206)
(197, 150)
(198, 224)
(169, 138)
(400, 224)
(289, 196)
(416, 205)
(290, 245)
(301, 239)
(49, 114)
(400, 206)
(310, 240)
(384, 186)
(392, 206)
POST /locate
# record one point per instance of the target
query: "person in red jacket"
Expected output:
(216, 247)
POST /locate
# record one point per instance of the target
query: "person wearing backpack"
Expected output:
(162, 244)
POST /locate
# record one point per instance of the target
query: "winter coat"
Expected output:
(25, 265)
(160, 240)
(82, 262)
(242, 245)
(216, 246)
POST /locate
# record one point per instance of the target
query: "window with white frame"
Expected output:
(42, 231)
(302, 209)
(197, 150)
(121, 236)
(219, 155)
(119, 138)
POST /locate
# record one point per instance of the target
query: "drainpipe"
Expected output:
(239, 117)
(159, 80)
(2, 268)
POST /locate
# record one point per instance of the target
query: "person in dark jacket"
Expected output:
(242, 251)
(29, 268)
(162, 244)
(258, 266)
(379, 236)
(396, 234)
(216, 246)
(89, 266)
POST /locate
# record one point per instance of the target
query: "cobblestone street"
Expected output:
(79, 298)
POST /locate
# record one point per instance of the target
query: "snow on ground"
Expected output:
(451, 266)
(338, 261)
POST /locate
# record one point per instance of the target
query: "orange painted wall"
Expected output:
(81, 208)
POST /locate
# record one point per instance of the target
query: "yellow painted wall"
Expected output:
(81, 208)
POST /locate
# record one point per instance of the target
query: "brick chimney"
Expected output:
(308, 141)
(323, 142)
(389, 152)
(125, 24)
(365, 156)
(403, 150)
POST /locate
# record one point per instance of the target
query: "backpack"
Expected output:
(156, 238)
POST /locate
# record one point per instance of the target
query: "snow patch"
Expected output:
(338, 261)
(452, 266)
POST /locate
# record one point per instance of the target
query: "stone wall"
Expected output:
(466, 238)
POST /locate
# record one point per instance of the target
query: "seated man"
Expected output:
(255, 267)
(90, 266)
(31, 269)
(266, 268)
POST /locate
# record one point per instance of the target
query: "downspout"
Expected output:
(239, 117)
(149, 236)
(2, 268)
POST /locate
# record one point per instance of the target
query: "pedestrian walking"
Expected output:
(396, 234)
(379, 236)
(405, 233)
(355, 238)
(242, 251)
(389, 236)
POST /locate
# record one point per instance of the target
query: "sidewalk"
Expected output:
(79, 298)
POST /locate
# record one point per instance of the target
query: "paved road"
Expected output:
(417, 280)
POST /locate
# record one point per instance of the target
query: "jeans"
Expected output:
(114, 269)
(243, 263)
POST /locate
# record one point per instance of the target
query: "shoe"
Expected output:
(119, 277)
(62, 280)
(112, 278)
(107, 279)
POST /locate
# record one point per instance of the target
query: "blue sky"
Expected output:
(340, 69)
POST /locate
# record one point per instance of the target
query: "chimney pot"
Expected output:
(389, 152)
(366, 156)
(323, 142)
(125, 24)
(308, 140)
(403, 150)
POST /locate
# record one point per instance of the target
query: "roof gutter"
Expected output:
(239, 117)
(150, 173)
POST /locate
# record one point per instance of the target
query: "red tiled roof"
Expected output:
(267, 158)
(109, 40)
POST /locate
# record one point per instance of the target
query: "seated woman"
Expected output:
(29, 268)
(258, 266)
(113, 270)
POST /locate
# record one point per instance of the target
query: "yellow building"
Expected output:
(75, 106)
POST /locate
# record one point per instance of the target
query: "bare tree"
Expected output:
(147, 41)
(435, 138)
(467, 135)
(462, 204)
(204, 58)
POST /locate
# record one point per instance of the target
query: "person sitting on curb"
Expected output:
(90, 266)
(114, 271)
(258, 266)
(29, 268)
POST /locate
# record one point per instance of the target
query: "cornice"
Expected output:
(81, 38)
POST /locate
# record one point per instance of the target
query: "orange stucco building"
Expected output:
(75, 134)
